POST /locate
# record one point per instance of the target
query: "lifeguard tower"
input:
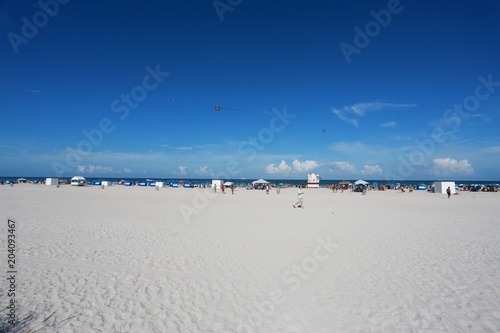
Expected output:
(313, 180)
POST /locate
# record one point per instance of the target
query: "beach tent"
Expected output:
(22, 180)
(228, 184)
(361, 182)
(216, 182)
(51, 181)
(259, 184)
(77, 181)
(440, 187)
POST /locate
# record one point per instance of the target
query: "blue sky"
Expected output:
(366, 89)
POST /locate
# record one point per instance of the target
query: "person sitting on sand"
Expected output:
(299, 202)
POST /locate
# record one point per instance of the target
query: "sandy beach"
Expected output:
(133, 259)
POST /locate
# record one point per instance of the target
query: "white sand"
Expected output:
(126, 260)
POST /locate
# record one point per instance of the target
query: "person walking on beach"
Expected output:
(448, 191)
(232, 188)
(222, 188)
(300, 196)
(215, 188)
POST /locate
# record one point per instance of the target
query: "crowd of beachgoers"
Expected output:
(335, 187)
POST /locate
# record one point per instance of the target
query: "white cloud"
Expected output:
(203, 171)
(347, 168)
(449, 166)
(282, 168)
(176, 148)
(389, 124)
(371, 170)
(94, 169)
(491, 150)
(182, 170)
(343, 117)
(304, 166)
(344, 167)
(351, 147)
(33, 91)
(349, 112)
(297, 167)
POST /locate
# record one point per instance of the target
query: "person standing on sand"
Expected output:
(448, 191)
(222, 188)
(215, 188)
(299, 202)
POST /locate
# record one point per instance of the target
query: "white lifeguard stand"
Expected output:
(313, 180)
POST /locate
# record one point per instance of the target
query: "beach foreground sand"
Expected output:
(124, 259)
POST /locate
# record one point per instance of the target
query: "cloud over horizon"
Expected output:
(450, 167)
(349, 113)
(349, 169)
(297, 167)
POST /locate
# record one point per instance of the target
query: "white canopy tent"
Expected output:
(77, 181)
(260, 181)
(361, 182)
